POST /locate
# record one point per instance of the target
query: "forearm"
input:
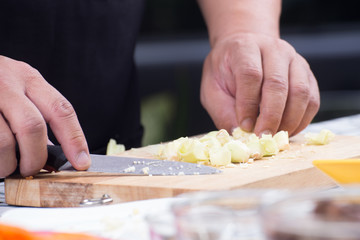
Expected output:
(224, 17)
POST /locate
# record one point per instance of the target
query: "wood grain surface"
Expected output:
(291, 169)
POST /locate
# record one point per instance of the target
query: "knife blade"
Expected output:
(128, 165)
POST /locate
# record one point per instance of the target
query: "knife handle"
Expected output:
(56, 158)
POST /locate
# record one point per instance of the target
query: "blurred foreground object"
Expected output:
(343, 171)
(8, 232)
(230, 215)
(328, 215)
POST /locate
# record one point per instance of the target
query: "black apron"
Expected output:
(84, 48)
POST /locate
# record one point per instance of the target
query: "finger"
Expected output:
(217, 100)
(299, 96)
(8, 160)
(246, 65)
(313, 105)
(274, 91)
(29, 129)
(61, 116)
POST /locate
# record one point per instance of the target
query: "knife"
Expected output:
(128, 165)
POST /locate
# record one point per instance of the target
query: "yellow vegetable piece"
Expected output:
(239, 151)
(220, 149)
(282, 140)
(223, 136)
(192, 150)
(240, 134)
(253, 144)
(322, 138)
(268, 145)
(212, 133)
(170, 150)
(220, 156)
(113, 148)
(210, 141)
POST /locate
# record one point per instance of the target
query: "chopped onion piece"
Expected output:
(220, 156)
(239, 151)
(322, 138)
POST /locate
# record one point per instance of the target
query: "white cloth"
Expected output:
(348, 126)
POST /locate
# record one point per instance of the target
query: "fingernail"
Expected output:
(247, 124)
(83, 160)
(266, 132)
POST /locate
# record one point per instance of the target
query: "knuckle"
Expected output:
(32, 126)
(248, 103)
(63, 108)
(244, 40)
(301, 91)
(30, 74)
(285, 46)
(314, 104)
(5, 82)
(4, 61)
(252, 72)
(272, 116)
(77, 137)
(277, 83)
(271, 113)
(5, 86)
(303, 61)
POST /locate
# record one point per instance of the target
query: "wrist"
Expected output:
(230, 17)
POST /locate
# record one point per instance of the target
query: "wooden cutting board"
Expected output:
(290, 169)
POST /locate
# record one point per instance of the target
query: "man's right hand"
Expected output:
(27, 103)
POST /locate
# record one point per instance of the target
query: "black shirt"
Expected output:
(84, 48)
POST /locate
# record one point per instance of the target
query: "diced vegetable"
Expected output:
(170, 150)
(282, 140)
(240, 134)
(113, 148)
(192, 150)
(239, 151)
(268, 145)
(322, 138)
(219, 148)
(223, 137)
(210, 141)
(220, 156)
(253, 144)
